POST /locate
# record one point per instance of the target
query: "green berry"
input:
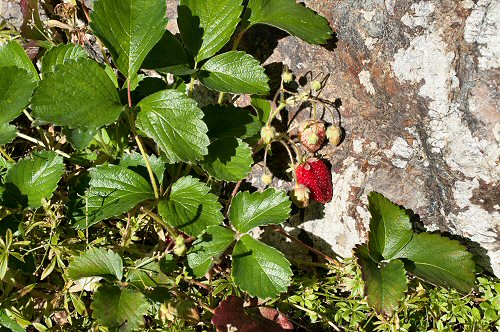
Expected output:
(334, 135)
(315, 85)
(287, 77)
(267, 133)
(267, 179)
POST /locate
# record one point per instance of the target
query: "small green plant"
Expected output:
(121, 200)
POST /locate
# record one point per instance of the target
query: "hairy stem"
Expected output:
(34, 140)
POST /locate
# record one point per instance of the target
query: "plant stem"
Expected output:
(233, 193)
(160, 221)
(140, 145)
(6, 155)
(34, 140)
(309, 311)
(278, 109)
(294, 239)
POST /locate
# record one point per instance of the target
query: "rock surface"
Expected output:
(418, 82)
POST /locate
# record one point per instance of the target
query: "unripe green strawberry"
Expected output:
(267, 179)
(180, 246)
(334, 135)
(300, 195)
(312, 134)
(267, 133)
(287, 77)
(315, 175)
(315, 85)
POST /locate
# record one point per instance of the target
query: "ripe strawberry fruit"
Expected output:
(312, 134)
(315, 175)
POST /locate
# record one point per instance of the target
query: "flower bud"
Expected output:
(180, 247)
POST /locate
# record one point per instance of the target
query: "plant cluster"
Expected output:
(121, 200)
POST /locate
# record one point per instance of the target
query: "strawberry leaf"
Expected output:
(234, 72)
(385, 283)
(168, 56)
(292, 17)
(129, 29)
(10, 323)
(390, 227)
(96, 262)
(16, 87)
(136, 163)
(207, 25)
(207, 248)
(228, 159)
(190, 207)
(12, 54)
(225, 121)
(33, 178)
(440, 261)
(259, 269)
(64, 98)
(113, 190)
(60, 53)
(119, 309)
(258, 209)
(7, 133)
(174, 122)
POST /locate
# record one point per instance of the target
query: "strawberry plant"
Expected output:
(124, 204)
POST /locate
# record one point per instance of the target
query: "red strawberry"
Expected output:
(312, 134)
(316, 176)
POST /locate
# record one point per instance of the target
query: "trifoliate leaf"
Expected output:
(259, 269)
(135, 162)
(229, 121)
(390, 227)
(129, 29)
(60, 53)
(33, 178)
(292, 17)
(174, 122)
(234, 72)
(12, 54)
(208, 248)
(440, 261)
(96, 262)
(190, 207)
(113, 190)
(16, 86)
(260, 208)
(119, 309)
(207, 25)
(168, 56)
(7, 133)
(77, 94)
(228, 159)
(385, 283)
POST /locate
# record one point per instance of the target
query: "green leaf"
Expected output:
(440, 261)
(16, 87)
(34, 178)
(119, 309)
(77, 94)
(228, 159)
(60, 53)
(80, 138)
(207, 25)
(263, 107)
(258, 209)
(151, 274)
(113, 190)
(390, 227)
(190, 207)
(96, 262)
(10, 323)
(208, 248)
(292, 17)
(168, 56)
(225, 121)
(174, 122)
(135, 162)
(7, 133)
(259, 269)
(385, 283)
(12, 54)
(234, 72)
(129, 29)
(4, 264)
